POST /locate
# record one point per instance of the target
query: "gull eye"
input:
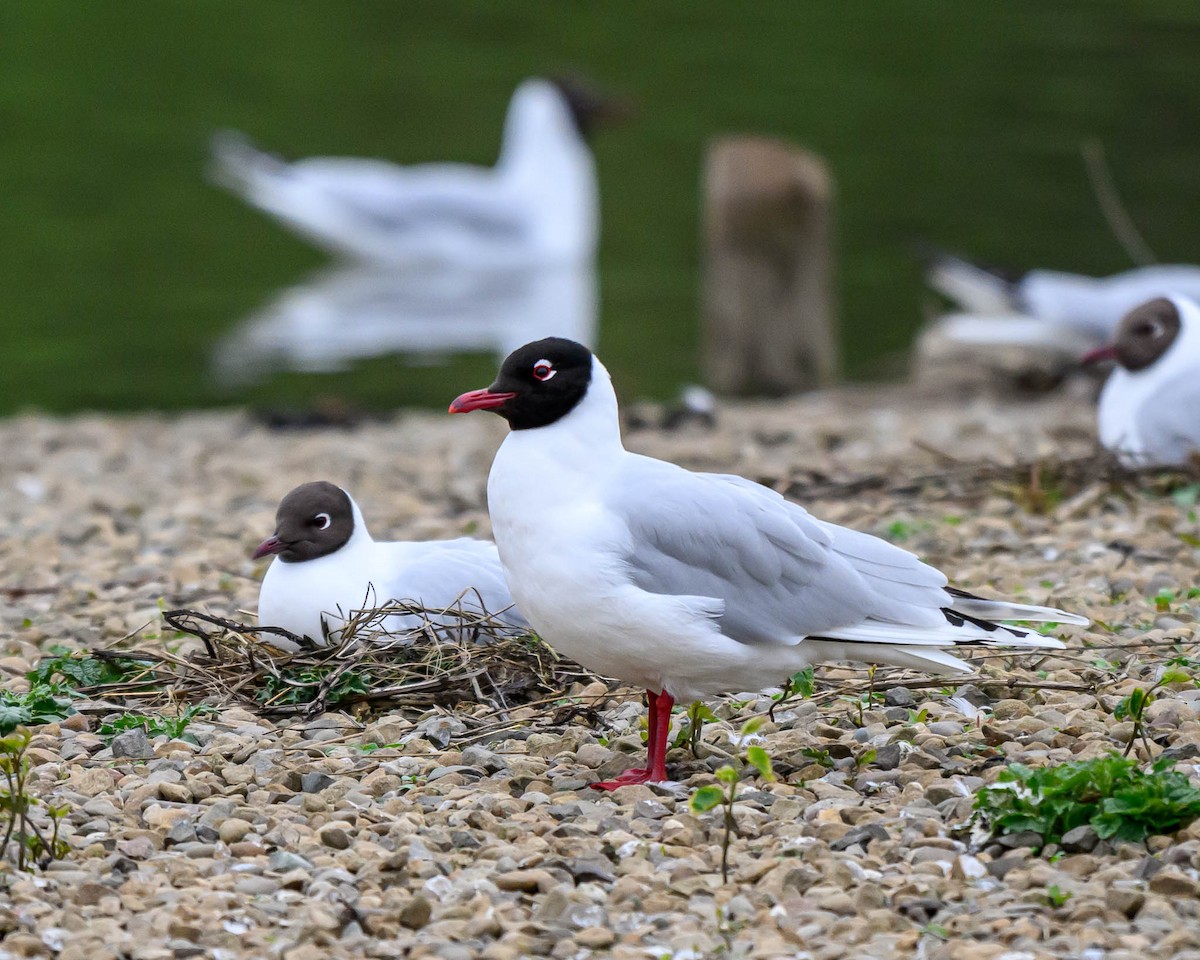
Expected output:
(321, 521)
(543, 370)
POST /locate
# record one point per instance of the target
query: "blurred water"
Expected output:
(352, 312)
(957, 122)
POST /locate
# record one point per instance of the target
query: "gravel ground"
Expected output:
(290, 840)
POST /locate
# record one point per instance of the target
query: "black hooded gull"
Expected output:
(691, 584)
(1149, 413)
(537, 206)
(327, 565)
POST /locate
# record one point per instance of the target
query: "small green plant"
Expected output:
(43, 703)
(692, 727)
(800, 683)
(86, 670)
(305, 686)
(174, 727)
(1133, 707)
(1111, 793)
(866, 700)
(31, 845)
(54, 683)
(1163, 600)
(724, 792)
(819, 755)
(1056, 896)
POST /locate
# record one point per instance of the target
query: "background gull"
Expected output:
(1047, 308)
(1149, 412)
(537, 205)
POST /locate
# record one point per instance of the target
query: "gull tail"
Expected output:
(238, 165)
(968, 603)
(931, 660)
(968, 620)
(976, 289)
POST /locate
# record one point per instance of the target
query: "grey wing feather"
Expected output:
(781, 574)
(462, 573)
(1169, 421)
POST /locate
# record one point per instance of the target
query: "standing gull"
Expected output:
(327, 565)
(537, 205)
(692, 584)
(1149, 413)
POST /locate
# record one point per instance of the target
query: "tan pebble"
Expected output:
(1171, 883)
(77, 721)
(416, 913)
(237, 774)
(174, 792)
(91, 782)
(88, 894)
(247, 848)
(233, 829)
(335, 837)
(1009, 709)
(163, 818)
(525, 880)
(595, 938)
(306, 951)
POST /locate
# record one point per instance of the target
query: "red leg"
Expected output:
(656, 746)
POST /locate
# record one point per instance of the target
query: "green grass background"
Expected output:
(955, 120)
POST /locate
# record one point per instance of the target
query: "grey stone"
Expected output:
(182, 831)
(887, 757)
(650, 809)
(1081, 839)
(315, 782)
(477, 756)
(898, 697)
(583, 869)
(284, 861)
(133, 744)
(472, 773)
(1025, 838)
(862, 835)
(207, 833)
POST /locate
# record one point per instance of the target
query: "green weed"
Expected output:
(1113, 794)
(724, 792)
(174, 727)
(31, 845)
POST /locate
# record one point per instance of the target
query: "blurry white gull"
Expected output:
(1149, 412)
(327, 566)
(1046, 309)
(538, 204)
(690, 584)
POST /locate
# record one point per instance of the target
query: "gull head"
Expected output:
(1143, 335)
(314, 520)
(538, 384)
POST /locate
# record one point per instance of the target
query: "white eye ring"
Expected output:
(544, 370)
(323, 520)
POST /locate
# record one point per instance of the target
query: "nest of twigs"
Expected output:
(442, 658)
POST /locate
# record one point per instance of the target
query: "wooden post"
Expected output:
(769, 324)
